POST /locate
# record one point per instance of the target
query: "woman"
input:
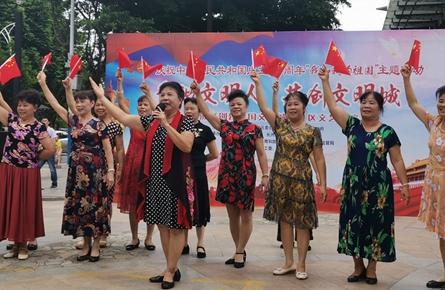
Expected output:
(237, 171)
(21, 214)
(431, 211)
(203, 138)
(90, 171)
(166, 185)
(128, 187)
(291, 196)
(367, 204)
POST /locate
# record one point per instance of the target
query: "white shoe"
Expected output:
(301, 275)
(13, 253)
(281, 271)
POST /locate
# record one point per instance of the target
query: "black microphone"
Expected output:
(160, 107)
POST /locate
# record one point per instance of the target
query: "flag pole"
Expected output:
(77, 62)
(143, 67)
(330, 44)
(251, 54)
(7, 60)
(43, 67)
(193, 65)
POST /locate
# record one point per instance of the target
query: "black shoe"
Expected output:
(159, 279)
(9, 247)
(32, 247)
(232, 261)
(362, 276)
(371, 281)
(200, 255)
(132, 247)
(186, 250)
(53, 186)
(94, 259)
(150, 247)
(293, 245)
(240, 264)
(84, 257)
(309, 248)
(167, 285)
(435, 284)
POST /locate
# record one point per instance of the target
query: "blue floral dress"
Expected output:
(367, 197)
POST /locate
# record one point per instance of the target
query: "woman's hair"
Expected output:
(30, 96)
(174, 85)
(377, 96)
(440, 91)
(299, 95)
(193, 100)
(238, 94)
(83, 95)
(142, 98)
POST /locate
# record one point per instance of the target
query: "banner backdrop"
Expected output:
(373, 58)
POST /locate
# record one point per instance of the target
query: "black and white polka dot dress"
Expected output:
(114, 129)
(161, 204)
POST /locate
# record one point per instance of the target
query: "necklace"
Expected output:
(440, 128)
(298, 127)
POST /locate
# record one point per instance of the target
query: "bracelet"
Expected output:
(405, 184)
(121, 92)
(110, 170)
(265, 175)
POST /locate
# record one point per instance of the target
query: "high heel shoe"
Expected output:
(239, 264)
(232, 261)
(95, 259)
(84, 257)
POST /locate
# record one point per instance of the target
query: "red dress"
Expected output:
(128, 190)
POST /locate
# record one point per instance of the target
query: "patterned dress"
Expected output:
(432, 204)
(86, 210)
(291, 197)
(114, 130)
(21, 212)
(237, 170)
(161, 204)
(130, 173)
(367, 197)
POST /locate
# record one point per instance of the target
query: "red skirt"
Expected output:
(21, 211)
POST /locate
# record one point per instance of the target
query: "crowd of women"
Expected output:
(163, 180)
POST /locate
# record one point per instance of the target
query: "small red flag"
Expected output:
(47, 60)
(197, 70)
(275, 67)
(260, 57)
(334, 58)
(75, 66)
(147, 69)
(9, 70)
(122, 59)
(414, 58)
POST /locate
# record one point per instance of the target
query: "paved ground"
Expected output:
(54, 265)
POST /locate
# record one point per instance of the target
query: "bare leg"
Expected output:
(149, 236)
(287, 238)
(244, 233)
(186, 238)
(302, 242)
(95, 247)
(86, 246)
(371, 270)
(164, 233)
(133, 228)
(234, 223)
(359, 266)
(442, 253)
(200, 234)
(174, 253)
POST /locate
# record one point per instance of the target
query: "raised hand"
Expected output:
(276, 86)
(66, 83)
(98, 89)
(145, 88)
(194, 86)
(41, 78)
(323, 73)
(255, 77)
(406, 71)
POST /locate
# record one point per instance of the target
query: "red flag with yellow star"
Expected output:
(414, 58)
(9, 70)
(334, 58)
(75, 66)
(275, 67)
(260, 57)
(144, 68)
(197, 69)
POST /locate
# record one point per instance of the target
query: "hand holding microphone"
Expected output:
(159, 115)
(160, 107)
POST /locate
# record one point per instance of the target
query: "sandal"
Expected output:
(200, 255)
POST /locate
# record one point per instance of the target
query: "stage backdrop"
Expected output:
(373, 58)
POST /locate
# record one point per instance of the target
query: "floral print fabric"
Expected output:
(432, 203)
(22, 142)
(86, 210)
(237, 170)
(291, 197)
(367, 197)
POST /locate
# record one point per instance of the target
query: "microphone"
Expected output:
(160, 107)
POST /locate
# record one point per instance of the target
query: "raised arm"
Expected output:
(411, 98)
(4, 116)
(275, 89)
(267, 112)
(4, 105)
(120, 92)
(146, 89)
(61, 111)
(69, 96)
(128, 120)
(212, 118)
(340, 116)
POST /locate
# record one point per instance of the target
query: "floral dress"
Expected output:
(237, 170)
(291, 197)
(86, 210)
(367, 197)
(432, 203)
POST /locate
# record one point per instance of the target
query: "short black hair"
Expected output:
(300, 96)
(83, 95)
(30, 96)
(174, 85)
(377, 96)
(440, 91)
(193, 100)
(142, 98)
(238, 94)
